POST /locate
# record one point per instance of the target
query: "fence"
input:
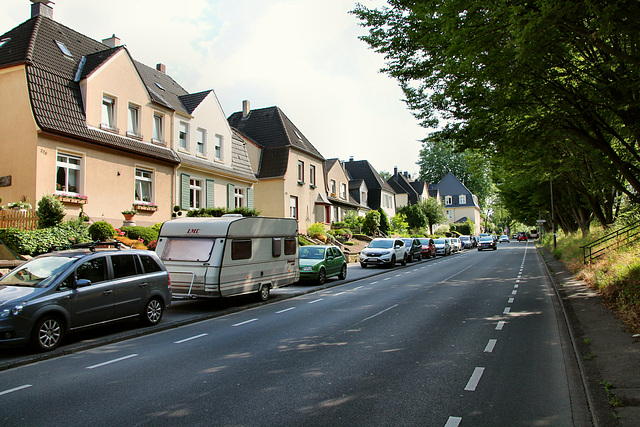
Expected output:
(623, 236)
(23, 219)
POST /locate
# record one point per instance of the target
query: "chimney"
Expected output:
(162, 68)
(395, 170)
(351, 158)
(406, 175)
(246, 108)
(112, 41)
(41, 7)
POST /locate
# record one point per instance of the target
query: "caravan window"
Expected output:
(188, 250)
(276, 247)
(290, 246)
(241, 249)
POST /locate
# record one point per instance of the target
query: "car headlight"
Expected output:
(306, 269)
(5, 313)
(18, 308)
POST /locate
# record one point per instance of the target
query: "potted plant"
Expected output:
(129, 214)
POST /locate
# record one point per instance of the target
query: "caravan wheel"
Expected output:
(263, 293)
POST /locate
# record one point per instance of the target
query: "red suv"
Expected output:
(428, 248)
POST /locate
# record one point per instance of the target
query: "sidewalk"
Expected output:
(608, 354)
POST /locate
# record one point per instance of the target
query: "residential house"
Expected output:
(359, 194)
(291, 172)
(93, 126)
(379, 193)
(338, 191)
(459, 203)
(407, 190)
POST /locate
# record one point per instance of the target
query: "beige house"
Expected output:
(459, 203)
(338, 190)
(290, 170)
(88, 123)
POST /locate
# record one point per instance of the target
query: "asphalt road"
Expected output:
(470, 339)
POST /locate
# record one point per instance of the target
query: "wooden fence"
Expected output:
(23, 219)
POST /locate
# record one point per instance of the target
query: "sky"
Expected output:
(303, 56)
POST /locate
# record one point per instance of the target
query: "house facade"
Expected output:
(379, 193)
(408, 191)
(459, 203)
(291, 172)
(339, 193)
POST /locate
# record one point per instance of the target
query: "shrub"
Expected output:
(371, 223)
(302, 241)
(317, 231)
(147, 234)
(50, 211)
(101, 230)
(218, 212)
(43, 240)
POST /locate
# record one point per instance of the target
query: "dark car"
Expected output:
(43, 299)
(414, 249)
(487, 242)
(317, 262)
(428, 248)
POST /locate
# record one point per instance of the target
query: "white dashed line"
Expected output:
(490, 346)
(285, 310)
(99, 365)
(13, 390)
(514, 292)
(190, 338)
(474, 380)
(360, 287)
(453, 422)
(245, 322)
(511, 300)
(506, 310)
(340, 293)
(500, 325)
(315, 301)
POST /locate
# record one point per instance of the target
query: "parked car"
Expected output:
(384, 251)
(522, 236)
(443, 246)
(504, 239)
(428, 248)
(414, 249)
(318, 262)
(487, 242)
(55, 293)
(466, 241)
(456, 244)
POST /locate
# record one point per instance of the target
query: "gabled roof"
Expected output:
(192, 100)
(277, 135)
(362, 169)
(55, 95)
(450, 185)
(402, 185)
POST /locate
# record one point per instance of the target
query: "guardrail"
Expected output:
(622, 236)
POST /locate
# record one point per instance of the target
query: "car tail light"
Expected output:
(168, 281)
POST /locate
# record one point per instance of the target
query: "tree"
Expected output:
(50, 211)
(414, 216)
(433, 211)
(371, 223)
(384, 222)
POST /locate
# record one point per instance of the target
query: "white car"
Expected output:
(456, 244)
(383, 251)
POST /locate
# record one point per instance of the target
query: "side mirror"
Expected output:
(82, 283)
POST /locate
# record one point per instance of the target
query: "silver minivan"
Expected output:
(52, 294)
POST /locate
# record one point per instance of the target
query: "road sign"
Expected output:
(541, 221)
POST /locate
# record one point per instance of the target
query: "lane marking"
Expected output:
(315, 301)
(245, 322)
(360, 287)
(13, 390)
(511, 300)
(190, 338)
(514, 292)
(453, 422)
(506, 310)
(474, 380)
(340, 293)
(490, 346)
(516, 286)
(378, 314)
(285, 310)
(99, 365)
(500, 325)
(388, 278)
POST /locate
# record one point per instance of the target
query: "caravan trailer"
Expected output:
(230, 255)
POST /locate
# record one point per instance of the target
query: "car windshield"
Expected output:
(381, 244)
(34, 273)
(307, 252)
(464, 239)
(407, 242)
(486, 239)
(424, 241)
(438, 241)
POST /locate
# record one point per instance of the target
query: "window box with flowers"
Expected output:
(145, 206)
(77, 199)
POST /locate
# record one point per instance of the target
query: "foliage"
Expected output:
(101, 231)
(371, 223)
(302, 241)
(39, 241)
(317, 231)
(147, 234)
(50, 211)
(414, 215)
(384, 225)
(399, 224)
(433, 211)
(218, 212)
(351, 221)
(465, 228)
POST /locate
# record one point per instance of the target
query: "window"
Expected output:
(180, 249)
(150, 265)
(448, 200)
(201, 141)
(290, 246)
(158, 131)
(124, 265)
(183, 135)
(217, 147)
(64, 49)
(300, 171)
(332, 187)
(343, 191)
(133, 123)
(312, 175)
(276, 247)
(3, 41)
(293, 207)
(144, 186)
(363, 197)
(195, 193)
(449, 214)
(239, 197)
(68, 173)
(462, 199)
(94, 270)
(241, 249)
(108, 112)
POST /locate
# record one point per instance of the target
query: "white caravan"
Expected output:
(230, 255)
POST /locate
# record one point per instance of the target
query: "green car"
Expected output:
(317, 262)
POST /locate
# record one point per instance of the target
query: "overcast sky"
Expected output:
(303, 56)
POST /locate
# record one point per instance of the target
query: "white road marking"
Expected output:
(516, 286)
(373, 283)
(99, 365)
(190, 338)
(490, 346)
(514, 292)
(511, 300)
(378, 314)
(22, 387)
(500, 325)
(245, 322)
(285, 310)
(474, 380)
(315, 301)
(506, 310)
(340, 293)
(360, 287)
(453, 422)
(388, 278)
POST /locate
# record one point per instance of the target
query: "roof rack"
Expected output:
(92, 245)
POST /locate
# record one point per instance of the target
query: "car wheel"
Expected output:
(404, 260)
(153, 312)
(363, 265)
(47, 333)
(393, 261)
(343, 272)
(263, 292)
(322, 276)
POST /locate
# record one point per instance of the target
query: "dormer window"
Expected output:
(462, 199)
(64, 49)
(448, 200)
(3, 41)
(159, 86)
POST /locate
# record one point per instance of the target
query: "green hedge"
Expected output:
(147, 234)
(40, 241)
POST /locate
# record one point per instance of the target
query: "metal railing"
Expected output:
(615, 239)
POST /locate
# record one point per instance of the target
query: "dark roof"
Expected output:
(55, 95)
(271, 129)
(192, 100)
(162, 88)
(402, 185)
(362, 169)
(450, 185)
